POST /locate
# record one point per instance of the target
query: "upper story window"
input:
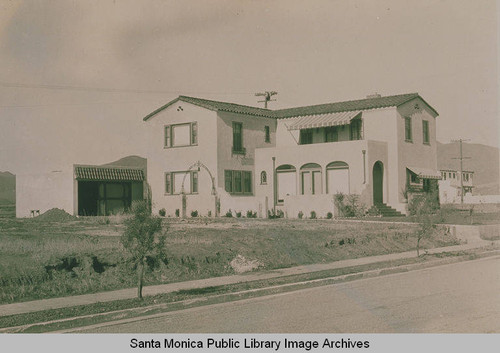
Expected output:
(443, 175)
(306, 137)
(175, 181)
(425, 132)
(356, 129)
(408, 132)
(267, 132)
(238, 138)
(179, 135)
(331, 134)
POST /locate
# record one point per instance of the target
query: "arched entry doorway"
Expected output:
(378, 183)
(214, 190)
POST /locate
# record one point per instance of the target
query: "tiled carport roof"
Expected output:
(94, 173)
(360, 104)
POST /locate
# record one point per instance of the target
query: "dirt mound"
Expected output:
(240, 264)
(55, 215)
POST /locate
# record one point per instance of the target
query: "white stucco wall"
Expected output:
(253, 138)
(350, 152)
(162, 160)
(44, 191)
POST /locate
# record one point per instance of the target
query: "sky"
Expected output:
(76, 77)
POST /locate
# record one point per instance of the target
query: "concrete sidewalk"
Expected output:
(470, 234)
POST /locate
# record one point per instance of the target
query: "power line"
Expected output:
(107, 89)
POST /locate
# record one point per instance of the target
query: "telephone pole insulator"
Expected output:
(267, 97)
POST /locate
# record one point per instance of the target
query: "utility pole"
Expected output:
(461, 174)
(267, 97)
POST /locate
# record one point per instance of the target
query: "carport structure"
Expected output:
(101, 191)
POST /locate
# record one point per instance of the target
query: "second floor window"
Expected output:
(306, 137)
(408, 132)
(238, 138)
(331, 134)
(178, 135)
(356, 129)
(425, 131)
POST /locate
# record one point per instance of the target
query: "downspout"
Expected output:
(274, 186)
(364, 166)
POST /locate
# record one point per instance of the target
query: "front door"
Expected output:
(378, 177)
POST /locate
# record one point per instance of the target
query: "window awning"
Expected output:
(108, 174)
(425, 173)
(322, 120)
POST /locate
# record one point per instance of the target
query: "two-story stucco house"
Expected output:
(213, 157)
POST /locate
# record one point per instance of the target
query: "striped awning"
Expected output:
(321, 120)
(108, 174)
(425, 173)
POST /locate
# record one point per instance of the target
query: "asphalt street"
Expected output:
(461, 298)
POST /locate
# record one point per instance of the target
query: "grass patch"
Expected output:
(183, 299)
(40, 259)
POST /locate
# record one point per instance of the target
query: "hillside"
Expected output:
(7, 188)
(129, 161)
(484, 162)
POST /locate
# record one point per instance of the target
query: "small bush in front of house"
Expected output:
(238, 214)
(162, 212)
(209, 213)
(301, 214)
(329, 215)
(349, 205)
(251, 214)
(313, 215)
(229, 213)
(278, 214)
(177, 212)
(194, 213)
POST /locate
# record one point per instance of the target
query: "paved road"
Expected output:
(463, 297)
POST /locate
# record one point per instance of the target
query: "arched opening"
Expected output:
(378, 183)
(286, 181)
(263, 178)
(337, 178)
(310, 179)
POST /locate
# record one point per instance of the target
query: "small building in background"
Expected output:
(449, 185)
(83, 190)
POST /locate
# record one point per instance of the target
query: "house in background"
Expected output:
(449, 185)
(83, 190)
(215, 157)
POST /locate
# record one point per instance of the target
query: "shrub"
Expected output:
(278, 214)
(251, 214)
(329, 215)
(140, 240)
(162, 212)
(177, 212)
(313, 214)
(301, 214)
(238, 214)
(349, 205)
(209, 213)
(229, 213)
(194, 213)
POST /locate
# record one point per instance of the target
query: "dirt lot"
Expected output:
(42, 258)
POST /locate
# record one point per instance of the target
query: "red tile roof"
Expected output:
(108, 174)
(360, 104)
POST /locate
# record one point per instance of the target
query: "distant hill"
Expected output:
(129, 161)
(7, 188)
(484, 162)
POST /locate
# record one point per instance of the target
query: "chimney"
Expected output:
(375, 95)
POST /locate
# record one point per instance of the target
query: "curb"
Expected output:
(288, 287)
